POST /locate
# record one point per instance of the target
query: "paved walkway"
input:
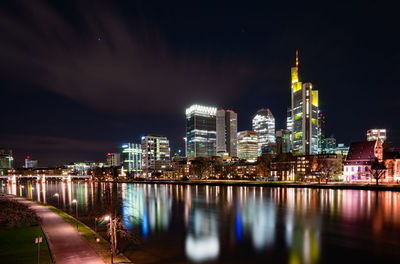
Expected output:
(66, 244)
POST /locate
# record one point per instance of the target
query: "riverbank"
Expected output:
(248, 183)
(18, 230)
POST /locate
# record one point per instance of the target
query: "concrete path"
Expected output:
(66, 244)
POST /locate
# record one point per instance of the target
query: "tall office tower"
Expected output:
(247, 146)
(282, 141)
(156, 155)
(113, 159)
(6, 161)
(321, 140)
(226, 133)
(374, 134)
(201, 131)
(305, 115)
(264, 125)
(132, 159)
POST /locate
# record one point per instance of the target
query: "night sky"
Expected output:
(79, 78)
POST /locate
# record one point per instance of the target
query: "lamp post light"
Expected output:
(76, 202)
(58, 199)
(108, 218)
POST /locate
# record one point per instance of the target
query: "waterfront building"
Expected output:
(357, 165)
(247, 145)
(113, 159)
(82, 168)
(374, 134)
(304, 114)
(392, 164)
(264, 124)
(226, 122)
(201, 131)
(156, 154)
(131, 159)
(282, 141)
(29, 163)
(6, 161)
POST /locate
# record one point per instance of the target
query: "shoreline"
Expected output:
(336, 186)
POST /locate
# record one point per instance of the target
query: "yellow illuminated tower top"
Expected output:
(296, 85)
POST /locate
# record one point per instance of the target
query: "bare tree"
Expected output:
(328, 168)
(378, 169)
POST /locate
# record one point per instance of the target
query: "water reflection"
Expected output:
(236, 224)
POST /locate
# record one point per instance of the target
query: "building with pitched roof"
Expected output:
(357, 165)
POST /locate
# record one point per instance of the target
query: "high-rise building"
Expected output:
(131, 159)
(156, 155)
(321, 124)
(226, 133)
(247, 146)
(329, 145)
(6, 161)
(305, 132)
(29, 163)
(113, 159)
(374, 134)
(264, 124)
(201, 132)
(282, 141)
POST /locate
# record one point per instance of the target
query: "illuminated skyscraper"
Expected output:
(30, 163)
(247, 145)
(305, 132)
(201, 131)
(374, 134)
(264, 125)
(226, 133)
(155, 153)
(113, 159)
(132, 159)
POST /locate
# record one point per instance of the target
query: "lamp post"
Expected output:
(106, 218)
(76, 202)
(58, 199)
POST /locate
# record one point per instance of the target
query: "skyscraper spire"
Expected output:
(297, 58)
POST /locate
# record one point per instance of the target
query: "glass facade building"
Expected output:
(131, 159)
(226, 133)
(247, 145)
(156, 153)
(305, 127)
(201, 132)
(264, 124)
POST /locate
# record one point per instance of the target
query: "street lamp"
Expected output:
(76, 202)
(108, 218)
(58, 199)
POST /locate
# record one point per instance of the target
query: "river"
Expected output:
(231, 224)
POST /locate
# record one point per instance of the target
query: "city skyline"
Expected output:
(244, 66)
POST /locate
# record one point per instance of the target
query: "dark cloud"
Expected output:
(106, 63)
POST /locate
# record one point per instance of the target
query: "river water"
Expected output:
(231, 224)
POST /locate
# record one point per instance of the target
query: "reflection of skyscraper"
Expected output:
(264, 125)
(304, 115)
(201, 131)
(132, 158)
(226, 133)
